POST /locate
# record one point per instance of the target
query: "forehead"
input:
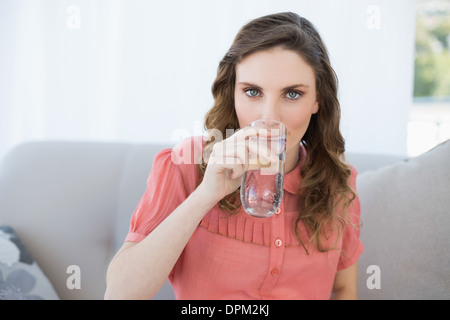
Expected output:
(276, 67)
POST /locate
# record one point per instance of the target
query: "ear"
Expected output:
(315, 108)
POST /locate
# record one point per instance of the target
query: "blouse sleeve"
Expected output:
(170, 182)
(352, 246)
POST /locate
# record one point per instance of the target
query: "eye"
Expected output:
(293, 95)
(252, 92)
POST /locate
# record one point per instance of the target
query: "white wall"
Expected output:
(139, 71)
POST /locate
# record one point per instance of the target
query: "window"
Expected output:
(429, 122)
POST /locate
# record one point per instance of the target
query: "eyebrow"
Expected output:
(284, 89)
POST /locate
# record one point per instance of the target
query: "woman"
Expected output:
(190, 226)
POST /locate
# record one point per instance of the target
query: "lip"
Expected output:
(268, 120)
(274, 128)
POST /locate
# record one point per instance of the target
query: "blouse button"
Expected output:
(278, 243)
(278, 211)
(275, 271)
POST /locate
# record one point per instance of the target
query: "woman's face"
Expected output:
(276, 84)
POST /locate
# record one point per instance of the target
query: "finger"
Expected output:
(252, 154)
(226, 156)
(249, 153)
(245, 133)
(239, 151)
(237, 171)
(261, 152)
(234, 166)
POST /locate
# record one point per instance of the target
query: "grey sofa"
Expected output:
(70, 205)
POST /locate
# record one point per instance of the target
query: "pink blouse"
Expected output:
(240, 256)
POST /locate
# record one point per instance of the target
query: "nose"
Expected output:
(270, 110)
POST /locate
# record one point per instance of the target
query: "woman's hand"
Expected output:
(228, 161)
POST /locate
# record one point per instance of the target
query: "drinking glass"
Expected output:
(262, 183)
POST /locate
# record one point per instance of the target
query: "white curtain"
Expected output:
(141, 71)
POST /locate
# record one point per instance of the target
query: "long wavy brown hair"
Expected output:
(324, 191)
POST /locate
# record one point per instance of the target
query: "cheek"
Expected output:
(297, 126)
(244, 112)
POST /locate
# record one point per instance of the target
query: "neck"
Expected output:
(292, 158)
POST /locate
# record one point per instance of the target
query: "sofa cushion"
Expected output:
(406, 228)
(20, 276)
(61, 199)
